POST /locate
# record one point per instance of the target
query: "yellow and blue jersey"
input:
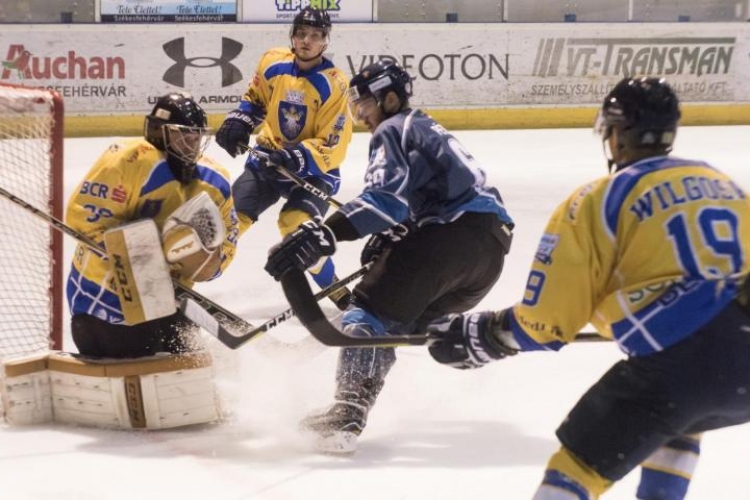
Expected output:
(647, 255)
(308, 110)
(132, 180)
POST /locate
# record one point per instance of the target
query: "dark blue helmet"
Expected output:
(643, 112)
(379, 78)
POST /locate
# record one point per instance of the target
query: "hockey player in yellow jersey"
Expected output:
(152, 178)
(656, 257)
(297, 100)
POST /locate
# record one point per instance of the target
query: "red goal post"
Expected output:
(31, 252)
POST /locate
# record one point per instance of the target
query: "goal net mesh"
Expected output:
(30, 252)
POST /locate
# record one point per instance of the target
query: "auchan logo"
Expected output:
(23, 64)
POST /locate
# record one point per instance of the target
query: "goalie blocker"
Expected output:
(156, 392)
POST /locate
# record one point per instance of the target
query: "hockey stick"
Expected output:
(299, 295)
(222, 316)
(239, 333)
(226, 326)
(260, 155)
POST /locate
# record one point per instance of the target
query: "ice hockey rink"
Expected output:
(436, 433)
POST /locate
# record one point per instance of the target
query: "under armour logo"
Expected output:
(175, 49)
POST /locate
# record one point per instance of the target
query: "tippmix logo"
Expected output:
(297, 5)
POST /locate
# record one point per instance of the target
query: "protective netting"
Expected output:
(27, 147)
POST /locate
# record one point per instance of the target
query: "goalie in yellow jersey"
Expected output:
(656, 256)
(162, 210)
(297, 100)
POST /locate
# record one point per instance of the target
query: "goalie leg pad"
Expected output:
(142, 277)
(25, 391)
(156, 392)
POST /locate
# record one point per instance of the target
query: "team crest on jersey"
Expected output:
(546, 247)
(291, 119)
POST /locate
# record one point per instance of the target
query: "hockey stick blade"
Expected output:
(231, 335)
(235, 333)
(299, 295)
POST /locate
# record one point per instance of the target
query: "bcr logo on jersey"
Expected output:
(95, 189)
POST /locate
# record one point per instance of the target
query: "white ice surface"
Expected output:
(436, 433)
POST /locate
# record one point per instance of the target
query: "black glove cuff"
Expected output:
(342, 228)
(500, 330)
(242, 117)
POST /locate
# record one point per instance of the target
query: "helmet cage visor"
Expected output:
(185, 143)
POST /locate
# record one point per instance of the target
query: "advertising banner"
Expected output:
(168, 11)
(122, 68)
(283, 11)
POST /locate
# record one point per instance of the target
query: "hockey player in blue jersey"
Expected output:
(656, 257)
(440, 235)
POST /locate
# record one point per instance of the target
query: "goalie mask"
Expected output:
(643, 113)
(178, 126)
(374, 82)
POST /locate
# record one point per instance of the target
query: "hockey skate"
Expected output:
(360, 376)
(335, 430)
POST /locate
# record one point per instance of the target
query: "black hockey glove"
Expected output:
(292, 159)
(301, 249)
(234, 134)
(378, 242)
(470, 340)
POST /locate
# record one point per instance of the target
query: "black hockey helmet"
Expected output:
(644, 112)
(178, 126)
(317, 18)
(379, 78)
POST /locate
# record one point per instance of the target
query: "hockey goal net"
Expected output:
(31, 157)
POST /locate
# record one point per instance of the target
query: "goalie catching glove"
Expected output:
(471, 340)
(301, 249)
(192, 237)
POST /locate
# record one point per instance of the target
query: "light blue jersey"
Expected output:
(418, 176)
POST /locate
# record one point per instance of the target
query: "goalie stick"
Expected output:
(299, 295)
(227, 327)
(238, 334)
